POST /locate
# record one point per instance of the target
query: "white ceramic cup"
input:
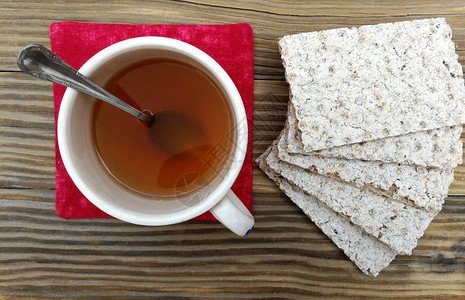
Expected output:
(90, 175)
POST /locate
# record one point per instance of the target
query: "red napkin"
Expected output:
(230, 45)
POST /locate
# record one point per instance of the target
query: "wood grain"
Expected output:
(286, 256)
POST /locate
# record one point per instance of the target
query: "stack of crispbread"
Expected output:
(373, 133)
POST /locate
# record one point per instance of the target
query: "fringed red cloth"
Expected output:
(230, 45)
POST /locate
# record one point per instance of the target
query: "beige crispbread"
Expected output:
(351, 85)
(439, 148)
(368, 254)
(426, 188)
(392, 222)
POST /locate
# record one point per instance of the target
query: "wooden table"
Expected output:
(286, 255)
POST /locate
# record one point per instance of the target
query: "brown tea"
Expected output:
(125, 147)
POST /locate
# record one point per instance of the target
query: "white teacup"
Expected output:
(90, 175)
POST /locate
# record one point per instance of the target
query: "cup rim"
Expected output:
(218, 72)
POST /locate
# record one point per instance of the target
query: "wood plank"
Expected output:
(22, 23)
(286, 255)
(27, 132)
(27, 138)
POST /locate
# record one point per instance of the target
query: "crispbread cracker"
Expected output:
(368, 254)
(439, 148)
(426, 188)
(351, 85)
(394, 223)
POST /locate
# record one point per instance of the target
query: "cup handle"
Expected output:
(232, 213)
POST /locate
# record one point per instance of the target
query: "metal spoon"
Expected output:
(172, 131)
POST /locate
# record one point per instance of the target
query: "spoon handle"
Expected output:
(38, 61)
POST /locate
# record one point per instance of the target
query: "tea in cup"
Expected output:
(119, 168)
